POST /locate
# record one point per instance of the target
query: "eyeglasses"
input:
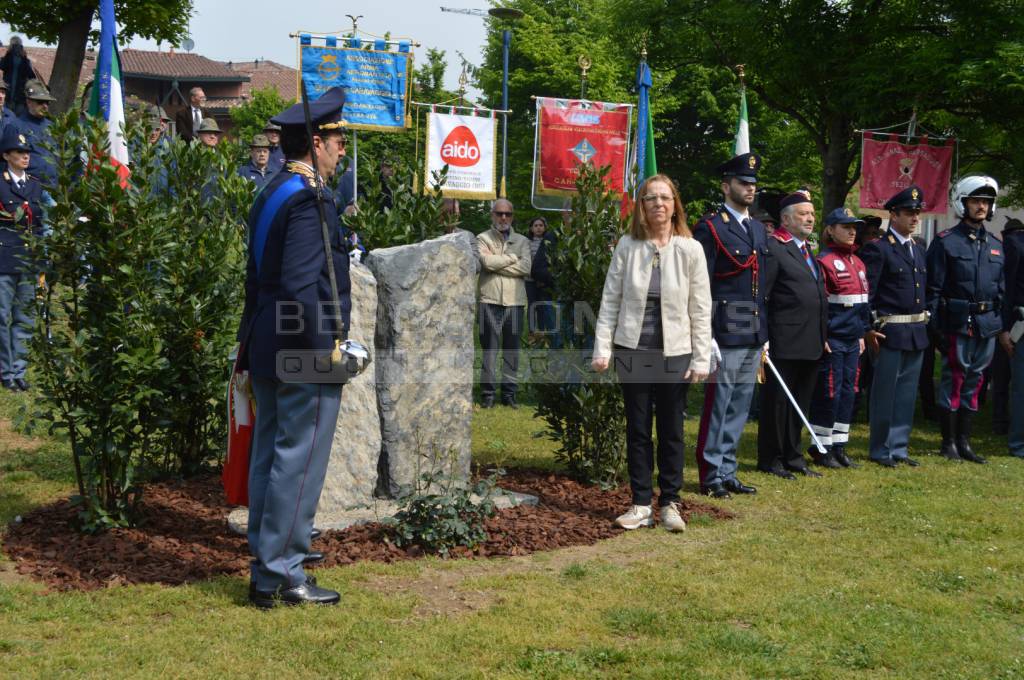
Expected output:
(502, 213)
(655, 198)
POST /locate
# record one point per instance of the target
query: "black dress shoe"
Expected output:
(510, 402)
(736, 486)
(305, 593)
(22, 384)
(839, 454)
(310, 579)
(806, 472)
(909, 462)
(884, 462)
(778, 472)
(313, 557)
(9, 385)
(315, 534)
(487, 402)
(715, 490)
(823, 459)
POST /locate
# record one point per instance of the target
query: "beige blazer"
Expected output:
(685, 299)
(504, 265)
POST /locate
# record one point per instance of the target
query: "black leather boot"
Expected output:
(839, 454)
(948, 425)
(964, 421)
(823, 459)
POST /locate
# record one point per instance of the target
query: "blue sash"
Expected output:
(269, 211)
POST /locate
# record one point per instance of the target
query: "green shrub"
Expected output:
(440, 512)
(584, 412)
(143, 293)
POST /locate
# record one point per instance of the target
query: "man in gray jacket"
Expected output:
(504, 265)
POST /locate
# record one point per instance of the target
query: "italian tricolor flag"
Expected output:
(107, 95)
(741, 143)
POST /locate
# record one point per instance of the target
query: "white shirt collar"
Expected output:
(16, 177)
(739, 216)
(798, 242)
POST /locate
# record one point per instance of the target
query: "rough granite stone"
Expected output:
(426, 304)
(352, 469)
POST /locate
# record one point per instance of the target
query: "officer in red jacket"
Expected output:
(846, 283)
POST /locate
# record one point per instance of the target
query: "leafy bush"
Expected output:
(143, 292)
(439, 513)
(584, 412)
(251, 117)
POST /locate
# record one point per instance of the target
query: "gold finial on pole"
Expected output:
(355, 23)
(584, 64)
(463, 81)
(741, 71)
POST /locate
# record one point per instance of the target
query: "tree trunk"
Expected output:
(836, 158)
(67, 64)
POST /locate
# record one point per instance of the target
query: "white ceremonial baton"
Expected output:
(792, 400)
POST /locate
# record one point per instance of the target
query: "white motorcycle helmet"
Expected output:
(975, 185)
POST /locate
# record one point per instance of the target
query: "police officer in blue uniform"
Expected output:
(1013, 332)
(35, 125)
(898, 339)
(290, 329)
(20, 211)
(965, 291)
(257, 169)
(735, 248)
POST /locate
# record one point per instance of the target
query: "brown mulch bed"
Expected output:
(183, 534)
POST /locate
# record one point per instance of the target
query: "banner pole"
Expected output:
(355, 168)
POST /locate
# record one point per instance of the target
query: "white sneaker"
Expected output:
(671, 519)
(638, 516)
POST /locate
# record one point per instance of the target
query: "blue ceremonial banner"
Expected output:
(376, 82)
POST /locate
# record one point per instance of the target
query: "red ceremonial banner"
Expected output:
(888, 167)
(573, 132)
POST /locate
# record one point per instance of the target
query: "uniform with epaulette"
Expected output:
(797, 308)
(846, 283)
(1013, 327)
(290, 330)
(20, 214)
(965, 292)
(897, 276)
(735, 247)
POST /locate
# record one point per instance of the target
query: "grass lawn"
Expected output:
(865, 573)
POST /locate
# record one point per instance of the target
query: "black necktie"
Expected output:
(746, 224)
(21, 184)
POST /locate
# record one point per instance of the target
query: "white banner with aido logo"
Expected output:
(467, 144)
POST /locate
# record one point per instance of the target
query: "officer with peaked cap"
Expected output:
(965, 294)
(289, 330)
(273, 132)
(20, 213)
(257, 170)
(35, 125)
(734, 247)
(797, 311)
(898, 339)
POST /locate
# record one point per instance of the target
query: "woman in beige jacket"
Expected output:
(655, 319)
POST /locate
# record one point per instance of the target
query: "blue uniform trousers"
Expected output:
(963, 363)
(726, 407)
(1016, 438)
(832, 408)
(16, 292)
(291, 446)
(893, 393)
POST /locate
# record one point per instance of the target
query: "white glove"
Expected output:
(355, 256)
(716, 356)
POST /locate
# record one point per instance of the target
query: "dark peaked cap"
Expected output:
(325, 112)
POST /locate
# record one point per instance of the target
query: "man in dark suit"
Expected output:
(797, 334)
(20, 213)
(897, 277)
(734, 246)
(188, 119)
(289, 335)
